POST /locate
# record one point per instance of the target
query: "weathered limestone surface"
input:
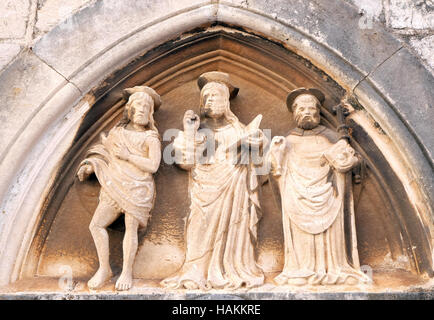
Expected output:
(411, 14)
(77, 47)
(48, 288)
(51, 12)
(25, 21)
(411, 20)
(106, 18)
(20, 97)
(425, 48)
(288, 295)
(37, 17)
(8, 51)
(414, 103)
(13, 18)
(300, 18)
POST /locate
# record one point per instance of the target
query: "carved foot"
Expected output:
(351, 281)
(191, 285)
(297, 281)
(101, 276)
(125, 281)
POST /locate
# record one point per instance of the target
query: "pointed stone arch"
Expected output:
(69, 86)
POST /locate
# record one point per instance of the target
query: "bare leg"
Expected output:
(129, 246)
(103, 217)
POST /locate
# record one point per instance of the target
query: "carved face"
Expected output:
(139, 108)
(215, 100)
(306, 111)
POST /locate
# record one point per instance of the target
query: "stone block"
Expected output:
(404, 110)
(99, 27)
(364, 48)
(8, 51)
(106, 62)
(13, 18)
(51, 12)
(425, 48)
(413, 100)
(413, 14)
(21, 95)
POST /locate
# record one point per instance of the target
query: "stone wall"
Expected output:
(22, 22)
(411, 20)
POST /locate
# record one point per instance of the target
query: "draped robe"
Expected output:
(221, 227)
(123, 185)
(313, 187)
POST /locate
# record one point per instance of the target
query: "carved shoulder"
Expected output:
(151, 138)
(331, 135)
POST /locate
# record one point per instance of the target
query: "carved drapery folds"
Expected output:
(221, 228)
(163, 251)
(310, 165)
(123, 163)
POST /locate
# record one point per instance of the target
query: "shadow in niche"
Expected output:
(387, 226)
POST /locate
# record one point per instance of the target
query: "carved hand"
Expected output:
(276, 153)
(255, 137)
(121, 152)
(278, 145)
(191, 121)
(277, 141)
(84, 172)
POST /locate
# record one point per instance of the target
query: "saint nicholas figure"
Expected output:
(311, 166)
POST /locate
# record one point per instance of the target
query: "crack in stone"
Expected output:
(375, 69)
(31, 23)
(51, 67)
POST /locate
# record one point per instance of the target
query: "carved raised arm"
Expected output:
(187, 141)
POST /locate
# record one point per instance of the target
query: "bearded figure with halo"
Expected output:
(221, 227)
(311, 166)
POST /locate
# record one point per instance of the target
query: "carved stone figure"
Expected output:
(123, 163)
(310, 166)
(221, 227)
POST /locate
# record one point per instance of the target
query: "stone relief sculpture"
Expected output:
(221, 227)
(123, 163)
(310, 166)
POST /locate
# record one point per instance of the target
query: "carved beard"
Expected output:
(141, 121)
(215, 110)
(307, 122)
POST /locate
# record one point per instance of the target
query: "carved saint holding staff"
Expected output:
(310, 166)
(123, 163)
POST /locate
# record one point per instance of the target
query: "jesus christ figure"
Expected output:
(221, 227)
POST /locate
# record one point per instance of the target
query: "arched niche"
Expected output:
(391, 233)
